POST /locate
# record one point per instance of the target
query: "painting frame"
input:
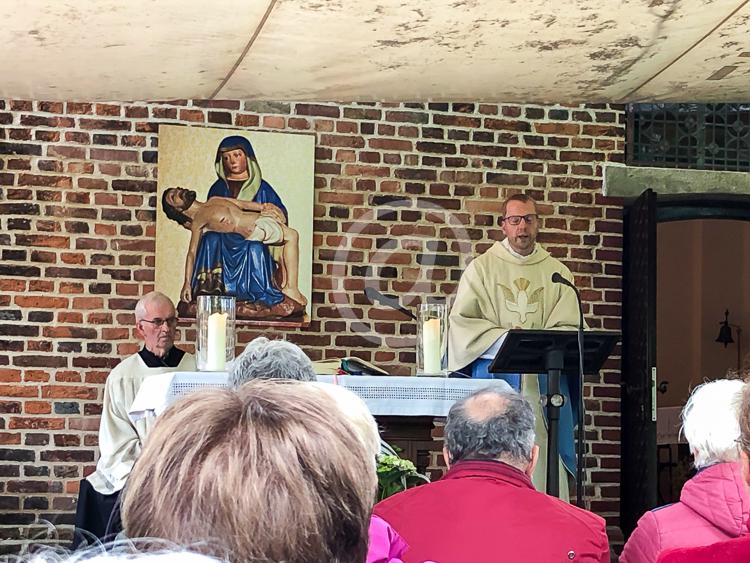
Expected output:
(281, 166)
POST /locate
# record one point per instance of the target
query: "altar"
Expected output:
(384, 395)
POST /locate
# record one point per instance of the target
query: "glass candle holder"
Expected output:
(214, 346)
(432, 339)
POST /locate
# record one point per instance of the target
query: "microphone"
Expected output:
(558, 278)
(391, 302)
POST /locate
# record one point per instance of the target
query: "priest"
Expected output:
(121, 439)
(507, 287)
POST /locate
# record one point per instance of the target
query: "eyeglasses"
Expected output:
(514, 220)
(171, 322)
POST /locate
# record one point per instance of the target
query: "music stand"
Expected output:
(554, 352)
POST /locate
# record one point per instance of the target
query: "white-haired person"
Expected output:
(147, 550)
(271, 359)
(714, 505)
(385, 545)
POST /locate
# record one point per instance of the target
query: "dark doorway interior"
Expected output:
(640, 379)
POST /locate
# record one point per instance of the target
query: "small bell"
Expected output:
(725, 332)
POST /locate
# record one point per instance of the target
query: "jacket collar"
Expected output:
(491, 469)
(539, 255)
(172, 359)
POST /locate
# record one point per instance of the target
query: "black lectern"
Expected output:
(554, 352)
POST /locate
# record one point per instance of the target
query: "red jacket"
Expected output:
(714, 506)
(488, 511)
(732, 551)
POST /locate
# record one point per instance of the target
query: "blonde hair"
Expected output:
(270, 471)
(356, 412)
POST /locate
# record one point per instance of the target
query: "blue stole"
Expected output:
(568, 413)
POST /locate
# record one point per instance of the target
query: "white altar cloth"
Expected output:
(384, 395)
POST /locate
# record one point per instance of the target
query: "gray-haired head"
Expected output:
(151, 297)
(271, 359)
(491, 424)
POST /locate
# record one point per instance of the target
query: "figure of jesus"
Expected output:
(262, 222)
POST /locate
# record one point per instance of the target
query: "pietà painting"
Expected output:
(234, 217)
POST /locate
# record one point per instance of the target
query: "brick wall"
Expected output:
(405, 195)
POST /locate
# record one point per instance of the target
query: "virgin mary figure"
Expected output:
(227, 263)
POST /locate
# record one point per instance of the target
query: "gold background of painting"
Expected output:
(186, 159)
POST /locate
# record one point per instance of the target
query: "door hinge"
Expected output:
(653, 394)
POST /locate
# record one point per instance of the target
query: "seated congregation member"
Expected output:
(116, 552)
(269, 471)
(271, 359)
(121, 439)
(714, 505)
(385, 545)
(736, 550)
(485, 508)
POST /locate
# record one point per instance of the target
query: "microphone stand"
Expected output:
(580, 453)
(375, 296)
(391, 302)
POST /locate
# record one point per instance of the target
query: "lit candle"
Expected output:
(431, 345)
(216, 342)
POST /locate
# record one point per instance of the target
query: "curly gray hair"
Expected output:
(271, 359)
(491, 424)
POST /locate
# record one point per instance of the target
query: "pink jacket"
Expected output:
(732, 551)
(386, 546)
(714, 506)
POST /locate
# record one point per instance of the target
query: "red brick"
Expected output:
(18, 391)
(557, 128)
(105, 124)
(68, 392)
(76, 107)
(10, 438)
(245, 120)
(273, 122)
(37, 407)
(390, 144)
(41, 302)
(41, 180)
(114, 154)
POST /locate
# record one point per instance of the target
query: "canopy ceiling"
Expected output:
(493, 50)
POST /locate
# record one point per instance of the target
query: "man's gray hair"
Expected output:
(491, 424)
(146, 300)
(271, 359)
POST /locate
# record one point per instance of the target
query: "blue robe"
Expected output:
(228, 264)
(569, 388)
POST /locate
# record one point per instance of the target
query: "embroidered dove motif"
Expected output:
(520, 301)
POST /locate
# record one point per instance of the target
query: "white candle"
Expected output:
(431, 345)
(216, 353)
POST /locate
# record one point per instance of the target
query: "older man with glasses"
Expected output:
(121, 439)
(510, 286)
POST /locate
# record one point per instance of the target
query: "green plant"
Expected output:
(396, 475)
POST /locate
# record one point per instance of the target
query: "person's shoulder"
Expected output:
(128, 362)
(545, 256)
(583, 517)
(402, 501)
(125, 369)
(490, 256)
